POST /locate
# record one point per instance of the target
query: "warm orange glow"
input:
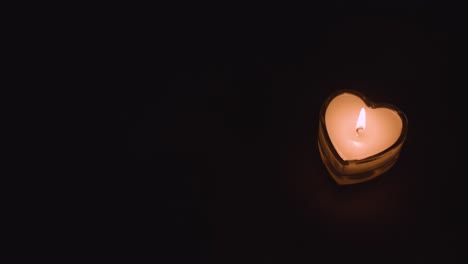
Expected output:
(361, 122)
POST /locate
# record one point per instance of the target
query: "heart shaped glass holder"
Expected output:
(346, 172)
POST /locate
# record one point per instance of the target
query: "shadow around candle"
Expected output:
(364, 212)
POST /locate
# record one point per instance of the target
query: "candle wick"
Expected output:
(357, 130)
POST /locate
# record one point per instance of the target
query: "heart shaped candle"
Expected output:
(359, 140)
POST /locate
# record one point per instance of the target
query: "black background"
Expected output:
(217, 132)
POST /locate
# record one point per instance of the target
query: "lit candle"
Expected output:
(359, 140)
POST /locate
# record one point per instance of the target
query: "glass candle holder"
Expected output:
(358, 139)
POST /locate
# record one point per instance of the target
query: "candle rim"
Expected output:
(372, 105)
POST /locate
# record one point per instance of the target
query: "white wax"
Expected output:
(382, 128)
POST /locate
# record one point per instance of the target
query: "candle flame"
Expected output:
(361, 122)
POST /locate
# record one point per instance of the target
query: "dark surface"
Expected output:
(223, 165)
